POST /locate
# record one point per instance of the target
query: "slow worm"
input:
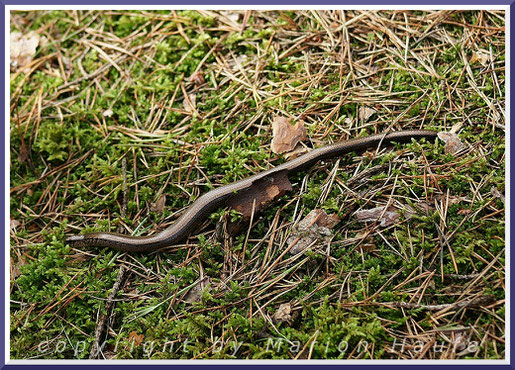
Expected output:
(188, 222)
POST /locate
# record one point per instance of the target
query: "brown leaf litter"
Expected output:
(195, 293)
(385, 216)
(159, 204)
(285, 135)
(283, 313)
(22, 49)
(313, 228)
(453, 144)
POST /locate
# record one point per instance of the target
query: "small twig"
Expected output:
(95, 350)
(123, 210)
(473, 303)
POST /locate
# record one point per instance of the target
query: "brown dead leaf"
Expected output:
(301, 243)
(460, 341)
(328, 221)
(367, 247)
(285, 135)
(311, 229)
(480, 56)
(190, 103)
(365, 113)
(137, 338)
(452, 142)
(283, 313)
(159, 205)
(365, 241)
(14, 224)
(496, 193)
(320, 218)
(195, 293)
(197, 78)
(297, 152)
(22, 49)
(15, 267)
(385, 217)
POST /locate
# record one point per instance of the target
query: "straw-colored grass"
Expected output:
(122, 110)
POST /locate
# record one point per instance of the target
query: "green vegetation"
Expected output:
(122, 107)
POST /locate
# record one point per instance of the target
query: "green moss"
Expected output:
(76, 185)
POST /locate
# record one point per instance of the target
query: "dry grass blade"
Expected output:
(123, 118)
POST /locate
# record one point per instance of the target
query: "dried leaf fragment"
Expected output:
(190, 103)
(195, 293)
(197, 78)
(22, 49)
(15, 267)
(297, 152)
(452, 142)
(480, 56)
(14, 224)
(311, 229)
(159, 205)
(253, 200)
(262, 192)
(365, 113)
(496, 193)
(137, 338)
(385, 217)
(107, 113)
(285, 135)
(283, 313)
(460, 341)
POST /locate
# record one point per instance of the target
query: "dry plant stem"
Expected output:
(95, 349)
(327, 68)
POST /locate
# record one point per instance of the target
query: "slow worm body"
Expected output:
(187, 223)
